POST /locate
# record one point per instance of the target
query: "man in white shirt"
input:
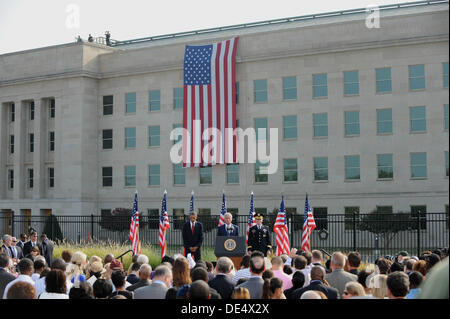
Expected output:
(26, 269)
(60, 264)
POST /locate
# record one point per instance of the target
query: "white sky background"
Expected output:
(29, 24)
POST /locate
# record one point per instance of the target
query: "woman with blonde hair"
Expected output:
(378, 286)
(75, 270)
(240, 293)
(353, 289)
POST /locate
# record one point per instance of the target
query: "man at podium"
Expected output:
(228, 229)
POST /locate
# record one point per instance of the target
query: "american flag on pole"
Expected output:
(163, 225)
(191, 204)
(308, 225)
(222, 211)
(134, 227)
(251, 218)
(280, 228)
(209, 103)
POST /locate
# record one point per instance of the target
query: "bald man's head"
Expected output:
(317, 273)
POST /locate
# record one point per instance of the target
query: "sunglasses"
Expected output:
(346, 293)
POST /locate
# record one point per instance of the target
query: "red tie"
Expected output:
(193, 228)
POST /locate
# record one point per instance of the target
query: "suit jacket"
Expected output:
(338, 278)
(330, 292)
(156, 290)
(19, 254)
(27, 248)
(20, 244)
(5, 279)
(47, 251)
(193, 240)
(7, 250)
(254, 286)
(222, 230)
(223, 285)
(139, 284)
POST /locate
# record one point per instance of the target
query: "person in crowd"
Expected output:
(316, 258)
(23, 239)
(431, 260)
(255, 283)
(133, 276)
(277, 268)
(408, 266)
(21, 290)
(300, 263)
(39, 266)
(362, 276)
(159, 286)
(396, 266)
(102, 288)
(221, 282)
(421, 266)
(145, 272)
(6, 247)
(311, 294)
(267, 274)
(95, 272)
(317, 283)
(199, 290)
(200, 273)
(46, 249)
(244, 271)
(259, 237)
(16, 251)
(57, 264)
(142, 259)
(82, 290)
(26, 269)
(353, 289)
(436, 285)
(34, 252)
(108, 258)
(382, 266)
(210, 270)
(338, 277)
(31, 243)
(115, 264)
(415, 280)
(353, 262)
(240, 293)
(288, 270)
(75, 270)
(66, 255)
(5, 276)
(55, 286)
(378, 286)
(273, 289)
(308, 256)
(181, 276)
(397, 285)
(118, 278)
(193, 237)
(93, 259)
(298, 281)
(228, 228)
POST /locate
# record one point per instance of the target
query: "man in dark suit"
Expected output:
(46, 249)
(259, 236)
(222, 283)
(145, 272)
(193, 237)
(317, 277)
(228, 229)
(16, 250)
(31, 243)
(22, 241)
(5, 276)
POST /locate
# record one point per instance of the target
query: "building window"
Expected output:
(107, 176)
(130, 102)
(383, 80)
(421, 212)
(31, 142)
(51, 139)
(351, 83)
(107, 138)
(52, 109)
(446, 163)
(232, 173)
(352, 123)
(320, 217)
(179, 177)
(12, 112)
(130, 137)
(351, 216)
(417, 116)
(417, 77)
(320, 123)
(30, 178)
(384, 121)
(130, 175)
(179, 137)
(445, 74)
(446, 117)
(352, 167)
(261, 172)
(51, 177)
(290, 88)
(31, 110)
(385, 166)
(10, 178)
(11, 144)
(260, 91)
(154, 174)
(320, 168)
(107, 105)
(178, 98)
(290, 127)
(261, 129)
(154, 100)
(320, 85)
(153, 136)
(418, 165)
(205, 175)
(237, 92)
(290, 170)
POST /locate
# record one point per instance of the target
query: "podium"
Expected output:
(233, 247)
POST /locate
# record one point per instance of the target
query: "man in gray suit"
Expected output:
(160, 284)
(5, 276)
(339, 277)
(255, 283)
(145, 273)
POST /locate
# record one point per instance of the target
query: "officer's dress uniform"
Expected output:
(259, 239)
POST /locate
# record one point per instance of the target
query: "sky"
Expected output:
(30, 24)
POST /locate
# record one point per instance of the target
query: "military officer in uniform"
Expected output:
(259, 236)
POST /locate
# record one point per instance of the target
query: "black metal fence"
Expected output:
(371, 235)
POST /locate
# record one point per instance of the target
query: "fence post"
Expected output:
(51, 226)
(354, 231)
(12, 223)
(92, 226)
(418, 233)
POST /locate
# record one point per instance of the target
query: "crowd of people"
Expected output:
(300, 275)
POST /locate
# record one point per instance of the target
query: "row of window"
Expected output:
(385, 171)
(417, 121)
(290, 88)
(31, 110)
(51, 142)
(30, 178)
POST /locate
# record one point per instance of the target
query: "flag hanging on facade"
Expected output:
(222, 211)
(251, 217)
(308, 225)
(134, 227)
(163, 226)
(209, 103)
(281, 230)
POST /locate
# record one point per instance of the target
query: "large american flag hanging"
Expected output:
(163, 225)
(209, 103)
(308, 225)
(280, 228)
(134, 227)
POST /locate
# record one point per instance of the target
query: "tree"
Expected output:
(52, 228)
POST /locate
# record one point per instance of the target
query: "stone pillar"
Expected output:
(19, 150)
(40, 147)
(4, 149)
